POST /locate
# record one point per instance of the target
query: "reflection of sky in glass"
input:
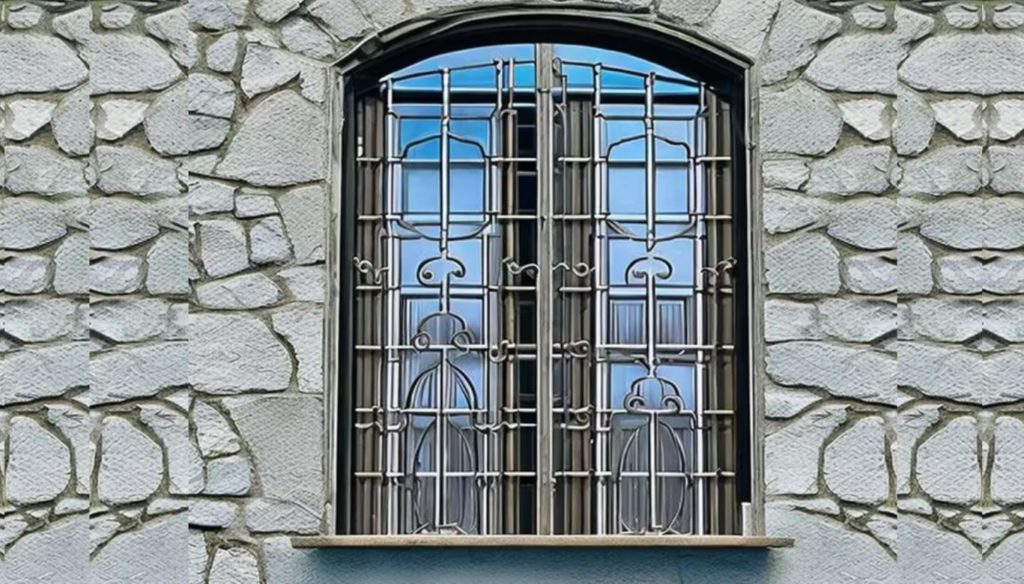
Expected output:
(623, 375)
(473, 69)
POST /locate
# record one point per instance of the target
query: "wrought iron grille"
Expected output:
(544, 319)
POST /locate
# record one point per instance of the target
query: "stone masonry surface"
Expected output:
(164, 197)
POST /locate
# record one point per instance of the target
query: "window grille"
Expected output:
(543, 318)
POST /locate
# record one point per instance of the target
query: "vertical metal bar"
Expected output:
(650, 211)
(700, 386)
(544, 63)
(391, 356)
(602, 420)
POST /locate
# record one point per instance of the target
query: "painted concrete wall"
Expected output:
(162, 220)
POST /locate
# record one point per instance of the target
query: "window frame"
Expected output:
(410, 44)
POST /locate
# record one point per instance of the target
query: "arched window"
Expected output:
(543, 295)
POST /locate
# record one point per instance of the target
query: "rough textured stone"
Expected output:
(870, 274)
(167, 261)
(274, 10)
(794, 451)
(28, 222)
(35, 321)
(207, 132)
(961, 375)
(1008, 464)
(76, 426)
(857, 320)
(71, 265)
(799, 120)
(217, 14)
(223, 247)
(130, 320)
(341, 17)
(1005, 118)
(117, 223)
(302, 36)
(785, 174)
(741, 25)
(166, 121)
(305, 284)
(859, 63)
(24, 117)
(198, 558)
(794, 36)
(25, 274)
(803, 264)
(132, 170)
(31, 63)
(248, 206)
(785, 212)
(116, 16)
(865, 223)
(155, 553)
(268, 242)
(129, 372)
(266, 68)
(861, 373)
(243, 292)
(689, 11)
(119, 116)
(124, 63)
(211, 513)
(266, 516)
(962, 117)
(228, 476)
(213, 433)
(855, 468)
(209, 196)
(231, 354)
(40, 554)
(985, 531)
(72, 125)
(281, 142)
(234, 566)
(947, 463)
(872, 118)
(21, 16)
(1005, 319)
(116, 275)
(785, 320)
(1007, 169)
(303, 213)
(286, 453)
(172, 26)
(222, 54)
(785, 402)
(38, 464)
(942, 319)
(969, 223)
(35, 169)
(302, 327)
(962, 16)
(131, 464)
(914, 124)
(857, 169)
(184, 466)
(984, 64)
(914, 265)
(961, 274)
(211, 95)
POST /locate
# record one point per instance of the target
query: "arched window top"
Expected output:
(477, 68)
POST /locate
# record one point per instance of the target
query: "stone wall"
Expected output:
(162, 217)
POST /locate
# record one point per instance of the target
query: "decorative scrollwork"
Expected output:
(366, 267)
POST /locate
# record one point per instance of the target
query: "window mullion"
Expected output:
(545, 80)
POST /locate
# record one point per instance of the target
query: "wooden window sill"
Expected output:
(541, 541)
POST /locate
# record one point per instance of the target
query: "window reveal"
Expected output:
(544, 319)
